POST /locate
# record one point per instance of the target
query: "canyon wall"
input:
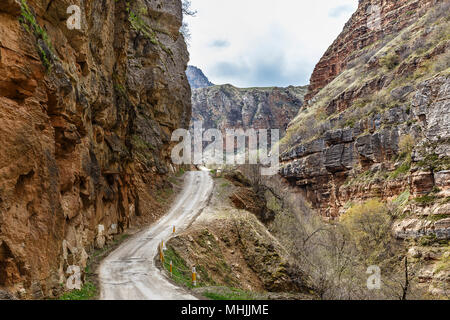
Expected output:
(86, 118)
(381, 124)
(227, 107)
(376, 125)
(373, 21)
(197, 78)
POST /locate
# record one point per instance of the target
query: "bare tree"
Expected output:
(187, 8)
(187, 11)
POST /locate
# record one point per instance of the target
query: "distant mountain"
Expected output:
(197, 78)
(228, 107)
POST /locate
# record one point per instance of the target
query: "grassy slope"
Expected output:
(416, 43)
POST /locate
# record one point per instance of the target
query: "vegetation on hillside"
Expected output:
(407, 58)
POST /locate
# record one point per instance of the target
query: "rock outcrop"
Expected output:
(227, 107)
(376, 124)
(373, 21)
(379, 128)
(197, 78)
(86, 118)
(362, 162)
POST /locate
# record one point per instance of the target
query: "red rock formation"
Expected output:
(85, 123)
(363, 29)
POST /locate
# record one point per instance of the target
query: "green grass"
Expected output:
(139, 25)
(232, 294)
(87, 292)
(426, 199)
(432, 161)
(180, 172)
(163, 195)
(224, 185)
(403, 169)
(180, 270)
(443, 264)
(28, 21)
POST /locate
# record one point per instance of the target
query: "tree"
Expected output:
(187, 8)
(187, 11)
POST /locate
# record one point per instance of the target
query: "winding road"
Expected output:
(129, 273)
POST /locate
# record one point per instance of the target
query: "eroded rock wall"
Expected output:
(227, 107)
(85, 123)
(374, 20)
(360, 162)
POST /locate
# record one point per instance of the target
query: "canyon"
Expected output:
(86, 119)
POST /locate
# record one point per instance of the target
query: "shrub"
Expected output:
(369, 225)
(390, 61)
(406, 144)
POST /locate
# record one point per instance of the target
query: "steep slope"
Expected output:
(86, 117)
(197, 78)
(228, 107)
(377, 125)
(387, 110)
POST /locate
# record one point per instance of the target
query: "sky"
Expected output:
(258, 43)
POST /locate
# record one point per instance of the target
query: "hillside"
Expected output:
(86, 118)
(227, 107)
(197, 78)
(377, 126)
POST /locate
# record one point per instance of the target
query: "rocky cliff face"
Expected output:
(228, 107)
(376, 125)
(197, 78)
(86, 117)
(373, 21)
(386, 111)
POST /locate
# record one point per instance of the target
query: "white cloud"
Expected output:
(264, 42)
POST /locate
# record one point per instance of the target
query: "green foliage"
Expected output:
(230, 294)
(139, 25)
(406, 144)
(28, 21)
(433, 162)
(163, 195)
(427, 240)
(403, 198)
(444, 263)
(426, 199)
(180, 172)
(225, 185)
(369, 225)
(180, 271)
(403, 169)
(87, 292)
(390, 61)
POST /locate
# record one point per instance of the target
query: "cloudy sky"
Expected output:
(252, 43)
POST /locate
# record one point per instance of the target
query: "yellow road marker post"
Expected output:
(194, 277)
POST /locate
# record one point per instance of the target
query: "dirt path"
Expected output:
(130, 271)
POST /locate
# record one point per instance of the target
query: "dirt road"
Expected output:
(130, 272)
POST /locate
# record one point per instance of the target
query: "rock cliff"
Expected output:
(86, 118)
(197, 78)
(373, 21)
(227, 107)
(382, 124)
(376, 125)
